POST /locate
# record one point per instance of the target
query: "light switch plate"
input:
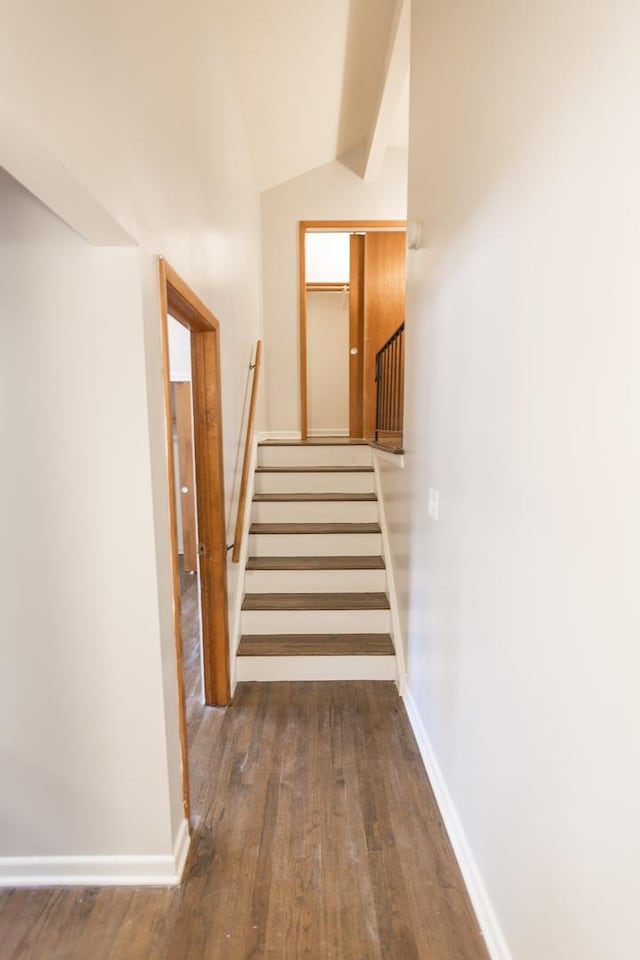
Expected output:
(434, 503)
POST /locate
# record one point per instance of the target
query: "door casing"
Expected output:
(186, 307)
(356, 331)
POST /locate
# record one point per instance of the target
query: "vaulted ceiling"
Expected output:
(319, 80)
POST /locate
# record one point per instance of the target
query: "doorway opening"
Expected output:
(352, 290)
(206, 489)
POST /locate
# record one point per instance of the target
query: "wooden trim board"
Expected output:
(354, 224)
(173, 533)
(303, 332)
(356, 334)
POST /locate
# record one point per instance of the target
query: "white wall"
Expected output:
(82, 740)
(331, 192)
(179, 350)
(328, 362)
(522, 399)
(327, 257)
(89, 85)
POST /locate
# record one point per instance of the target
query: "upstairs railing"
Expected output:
(390, 391)
(242, 502)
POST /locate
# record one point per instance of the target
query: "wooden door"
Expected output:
(384, 296)
(184, 431)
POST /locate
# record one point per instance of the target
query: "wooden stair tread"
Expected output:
(315, 645)
(316, 563)
(303, 528)
(315, 601)
(316, 442)
(315, 469)
(313, 497)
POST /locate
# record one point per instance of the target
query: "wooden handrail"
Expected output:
(237, 539)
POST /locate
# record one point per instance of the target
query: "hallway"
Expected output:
(315, 835)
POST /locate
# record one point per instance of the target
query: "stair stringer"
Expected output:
(396, 629)
(241, 568)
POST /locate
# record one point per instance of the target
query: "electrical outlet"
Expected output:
(434, 503)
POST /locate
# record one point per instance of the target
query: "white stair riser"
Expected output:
(315, 621)
(315, 581)
(316, 511)
(314, 482)
(315, 544)
(315, 668)
(315, 455)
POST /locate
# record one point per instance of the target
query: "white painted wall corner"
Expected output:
(121, 870)
(397, 459)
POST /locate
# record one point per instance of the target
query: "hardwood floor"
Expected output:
(315, 835)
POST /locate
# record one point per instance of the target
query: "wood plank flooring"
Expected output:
(315, 837)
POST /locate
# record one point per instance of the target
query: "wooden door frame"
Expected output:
(183, 304)
(337, 225)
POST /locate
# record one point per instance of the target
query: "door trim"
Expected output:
(183, 304)
(337, 225)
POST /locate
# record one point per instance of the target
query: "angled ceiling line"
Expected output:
(395, 77)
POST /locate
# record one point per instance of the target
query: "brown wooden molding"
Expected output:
(177, 298)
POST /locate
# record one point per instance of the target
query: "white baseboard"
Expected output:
(494, 938)
(181, 849)
(279, 435)
(98, 871)
(329, 432)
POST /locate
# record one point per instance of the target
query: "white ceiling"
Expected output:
(310, 76)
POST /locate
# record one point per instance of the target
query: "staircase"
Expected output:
(316, 604)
